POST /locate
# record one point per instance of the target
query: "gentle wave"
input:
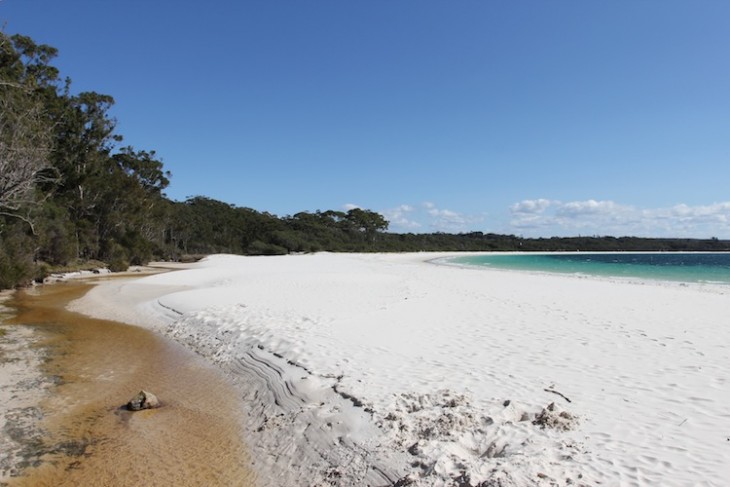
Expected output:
(666, 266)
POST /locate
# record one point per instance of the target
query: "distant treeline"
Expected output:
(71, 194)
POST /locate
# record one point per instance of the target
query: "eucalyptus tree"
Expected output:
(367, 222)
(25, 129)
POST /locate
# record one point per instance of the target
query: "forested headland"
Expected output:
(73, 194)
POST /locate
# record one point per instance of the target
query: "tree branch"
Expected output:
(20, 217)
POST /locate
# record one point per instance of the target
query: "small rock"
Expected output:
(143, 400)
(413, 449)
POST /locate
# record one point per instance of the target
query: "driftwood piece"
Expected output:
(558, 393)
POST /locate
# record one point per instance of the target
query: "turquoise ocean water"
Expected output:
(668, 266)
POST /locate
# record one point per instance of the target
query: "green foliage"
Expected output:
(366, 221)
(62, 175)
(262, 248)
(42, 270)
(142, 168)
(116, 257)
(56, 236)
(16, 260)
(292, 241)
(25, 128)
(204, 225)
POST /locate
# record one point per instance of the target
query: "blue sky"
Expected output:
(537, 118)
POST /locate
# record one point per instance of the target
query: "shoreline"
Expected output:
(708, 285)
(23, 386)
(332, 449)
(84, 438)
(436, 374)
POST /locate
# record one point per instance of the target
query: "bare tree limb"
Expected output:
(21, 217)
(25, 141)
(558, 393)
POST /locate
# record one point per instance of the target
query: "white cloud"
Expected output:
(718, 212)
(399, 217)
(594, 217)
(545, 218)
(427, 217)
(531, 206)
(350, 206)
(445, 220)
(589, 207)
(443, 213)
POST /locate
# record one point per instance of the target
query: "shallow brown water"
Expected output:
(194, 439)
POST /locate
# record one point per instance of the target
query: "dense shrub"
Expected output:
(16, 261)
(261, 248)
(118, 259)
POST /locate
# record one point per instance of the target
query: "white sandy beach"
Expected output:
(370, 369)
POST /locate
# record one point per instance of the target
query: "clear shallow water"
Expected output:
(81, 435)
(668, 266)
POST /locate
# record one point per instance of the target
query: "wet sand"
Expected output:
(194, 439)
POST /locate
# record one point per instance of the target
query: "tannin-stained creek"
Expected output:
(88, 438)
